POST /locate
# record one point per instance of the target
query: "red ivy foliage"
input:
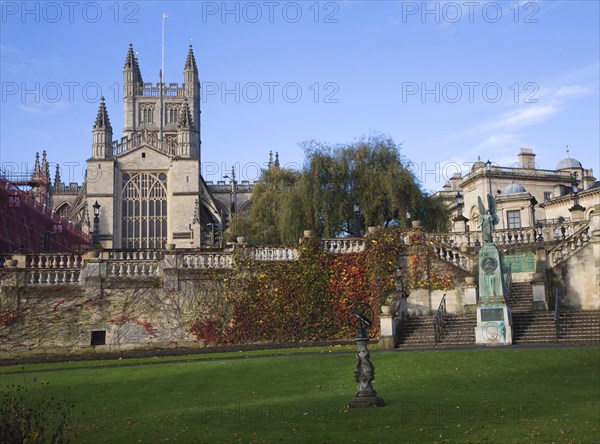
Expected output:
(312, 298)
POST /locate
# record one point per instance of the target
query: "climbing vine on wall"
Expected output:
(312, 298)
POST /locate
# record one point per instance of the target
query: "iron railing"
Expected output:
(508, 285)
(557, 314)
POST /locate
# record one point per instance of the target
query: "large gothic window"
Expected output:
(144, 210)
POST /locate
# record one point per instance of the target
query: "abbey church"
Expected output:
(147, 185)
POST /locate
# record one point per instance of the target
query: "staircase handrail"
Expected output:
(508, 285)
(438, 320)
(556, 314)
(557, 249)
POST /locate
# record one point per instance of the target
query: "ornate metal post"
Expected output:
(364, 371)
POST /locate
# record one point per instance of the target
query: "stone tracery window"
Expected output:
(146, 114)
(144, 210)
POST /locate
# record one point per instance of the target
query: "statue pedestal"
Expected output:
(364, 374)
(494, 325)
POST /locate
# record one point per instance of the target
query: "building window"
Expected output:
(173, 116)
(514, 219)
(98, 337)
(63, 210)
(547, 195)
(144, 211)
(146, 114)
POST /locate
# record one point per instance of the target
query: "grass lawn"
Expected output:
(503, 395)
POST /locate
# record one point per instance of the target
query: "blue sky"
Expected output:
(448, 80)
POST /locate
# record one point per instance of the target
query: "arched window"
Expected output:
(63, 210)
(144, 210)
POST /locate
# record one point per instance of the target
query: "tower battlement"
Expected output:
(153, 90)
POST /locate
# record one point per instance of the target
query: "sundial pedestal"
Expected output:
(364, 374)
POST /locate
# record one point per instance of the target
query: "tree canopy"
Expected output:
(322, 196)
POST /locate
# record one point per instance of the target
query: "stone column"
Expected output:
(387, 335)
(538, 285)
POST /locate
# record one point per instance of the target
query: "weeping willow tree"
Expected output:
(369, 173)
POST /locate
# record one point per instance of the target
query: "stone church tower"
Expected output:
(148, 183)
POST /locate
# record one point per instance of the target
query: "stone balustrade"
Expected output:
(343, 246)
(130, 255)
(201, 260)
(569, 246)
(514, 236)
(457, 258)
(132, 268)
(52, 276)
(272, 253)
(128, 263)
(54, 260)
(508, 236)
(457, 240)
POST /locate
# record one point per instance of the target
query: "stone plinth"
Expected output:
(494, 325)
(386, 340)
(538, 285)
(494, 318)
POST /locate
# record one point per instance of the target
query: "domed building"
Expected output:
(525, 195)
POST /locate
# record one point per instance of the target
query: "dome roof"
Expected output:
(514, 188)
(567, 163)
(478, 164)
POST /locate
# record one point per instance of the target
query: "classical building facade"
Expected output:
(526, 196)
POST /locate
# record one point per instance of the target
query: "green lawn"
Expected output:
(506, 395)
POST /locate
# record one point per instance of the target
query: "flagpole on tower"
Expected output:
(162, 64)
(162, 74)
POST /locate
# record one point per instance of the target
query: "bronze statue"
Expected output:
(487, 218)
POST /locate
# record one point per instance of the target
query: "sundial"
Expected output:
(361, 319)
(364, 371)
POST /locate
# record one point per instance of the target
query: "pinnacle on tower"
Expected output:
(131, 62)
(45, 166)
(102, 120)
(277, 159)
(270, 159)
(36, 168)
(186, 120)
(190, 61)
(57, 176)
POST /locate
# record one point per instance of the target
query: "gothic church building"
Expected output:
(148, 183)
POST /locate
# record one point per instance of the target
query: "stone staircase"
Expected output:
(578, 326)
(538, 327)
(418, 332)
(533, 327)
(521, 297)
(529, 327)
